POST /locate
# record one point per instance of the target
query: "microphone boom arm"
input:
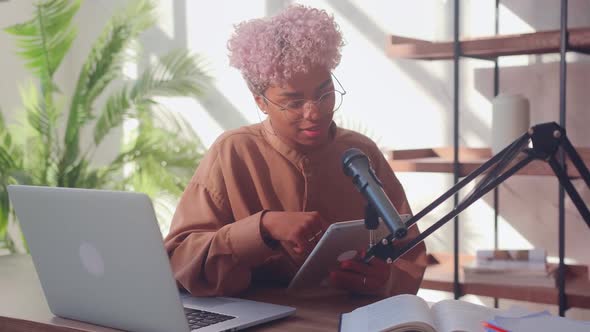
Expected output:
(547, 138)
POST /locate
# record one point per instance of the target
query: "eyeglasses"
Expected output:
(328, 103)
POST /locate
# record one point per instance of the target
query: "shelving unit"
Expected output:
(440, 160)
(439, 276)
(460, 161)
(489, 47)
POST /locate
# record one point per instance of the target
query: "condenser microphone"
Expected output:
(358, 166)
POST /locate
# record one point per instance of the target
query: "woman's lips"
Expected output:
(313, 132)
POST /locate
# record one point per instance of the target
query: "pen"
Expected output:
(492, 328)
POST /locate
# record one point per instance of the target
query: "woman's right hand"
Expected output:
(299, 230)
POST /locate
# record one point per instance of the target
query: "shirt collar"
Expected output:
(292, 153)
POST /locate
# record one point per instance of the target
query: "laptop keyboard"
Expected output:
(199, 318)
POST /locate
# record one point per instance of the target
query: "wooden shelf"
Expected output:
(440, 160)
(440, 277)
(489, 47)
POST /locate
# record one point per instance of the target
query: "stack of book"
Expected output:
(511, 267)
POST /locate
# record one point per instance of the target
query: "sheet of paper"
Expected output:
(379, 316)
(453, 315)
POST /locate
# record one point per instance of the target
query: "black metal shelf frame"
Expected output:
(564, 48)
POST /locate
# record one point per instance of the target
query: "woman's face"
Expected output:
(295, 116)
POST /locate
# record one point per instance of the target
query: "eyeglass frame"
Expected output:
(283, 108)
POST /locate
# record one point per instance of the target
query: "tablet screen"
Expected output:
(341, 241)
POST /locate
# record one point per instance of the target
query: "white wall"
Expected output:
(401, 103)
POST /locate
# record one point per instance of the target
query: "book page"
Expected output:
(455, 315)
(406, 312)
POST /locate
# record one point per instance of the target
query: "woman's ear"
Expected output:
(261, 103)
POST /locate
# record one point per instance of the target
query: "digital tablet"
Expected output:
(341, 241)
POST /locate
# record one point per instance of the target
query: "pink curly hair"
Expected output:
(271, 50)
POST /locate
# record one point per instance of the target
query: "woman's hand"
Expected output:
(356, 276)
(301, 230)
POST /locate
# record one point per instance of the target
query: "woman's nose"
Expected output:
(311, 110)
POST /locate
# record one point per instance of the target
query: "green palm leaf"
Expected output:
(103, 65)
(4, 211)
(175, 74)
(6, 163)
(7, 160)
(44, 40)
(42, 119)
(5, 138)
(172, 151)
(162, 158)
(118, 106)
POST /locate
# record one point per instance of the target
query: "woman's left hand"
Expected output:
(356, 276)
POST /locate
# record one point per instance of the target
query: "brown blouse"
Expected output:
(214, 244)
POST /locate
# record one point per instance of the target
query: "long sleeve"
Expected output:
(210, 253)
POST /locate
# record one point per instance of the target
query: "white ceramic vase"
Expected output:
(510, 119)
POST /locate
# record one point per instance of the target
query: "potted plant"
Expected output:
(49, 147)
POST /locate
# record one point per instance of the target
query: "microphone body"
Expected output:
(358, 166)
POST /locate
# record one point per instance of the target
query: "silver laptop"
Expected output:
(101, 259)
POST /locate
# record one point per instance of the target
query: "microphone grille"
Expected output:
(348, 156)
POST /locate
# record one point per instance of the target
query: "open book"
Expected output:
(411, 313)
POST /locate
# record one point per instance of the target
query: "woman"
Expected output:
(264, 194)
